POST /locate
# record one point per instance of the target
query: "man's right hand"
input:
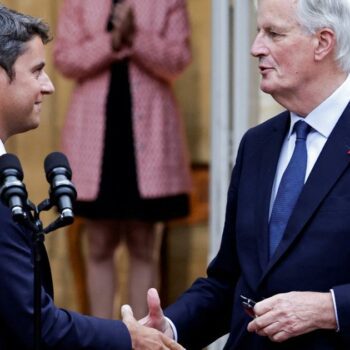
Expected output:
(145, 338)
(155, 318)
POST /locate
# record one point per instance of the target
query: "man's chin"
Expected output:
(35, 122)
(267, 88)
(34, 125)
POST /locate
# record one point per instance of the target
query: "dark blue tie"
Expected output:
(290, 187)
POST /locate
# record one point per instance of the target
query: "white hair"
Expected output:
(334, 14)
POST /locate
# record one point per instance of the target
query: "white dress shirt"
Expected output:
(2, 148)
(322, 121)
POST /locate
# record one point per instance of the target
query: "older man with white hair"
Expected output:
(285, 243)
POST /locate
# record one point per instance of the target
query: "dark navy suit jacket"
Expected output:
(61, 329)
(314, 254)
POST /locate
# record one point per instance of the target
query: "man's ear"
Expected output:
(324, 43)
(5, 80)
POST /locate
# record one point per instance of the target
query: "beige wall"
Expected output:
(193, 87)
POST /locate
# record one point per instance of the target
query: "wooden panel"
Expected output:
(193, 87)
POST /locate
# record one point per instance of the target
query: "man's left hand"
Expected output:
(288, 315)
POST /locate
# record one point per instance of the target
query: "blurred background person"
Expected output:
(123, 133)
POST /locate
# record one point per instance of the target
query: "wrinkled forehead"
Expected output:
(257, 2)
(279, 13)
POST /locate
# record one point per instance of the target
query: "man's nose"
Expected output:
(259, 48)
(47, 87)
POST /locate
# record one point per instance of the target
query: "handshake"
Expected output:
(154, 330)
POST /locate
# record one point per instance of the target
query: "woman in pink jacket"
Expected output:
(123, 134)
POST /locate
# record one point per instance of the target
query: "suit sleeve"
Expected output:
(61, 329)
(342, 299)
(203, 313)
(78, 53)
(165, 54)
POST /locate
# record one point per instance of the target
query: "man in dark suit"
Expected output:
(286, 240)
(23, 85)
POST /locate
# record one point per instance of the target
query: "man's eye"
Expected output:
(37, 73)
(274, 34)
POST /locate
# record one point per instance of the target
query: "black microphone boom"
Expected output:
(62, 191)
(13, 192)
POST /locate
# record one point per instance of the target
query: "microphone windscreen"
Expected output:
(10, 161)
(56, 160)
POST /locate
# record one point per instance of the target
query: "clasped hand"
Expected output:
(153, 332)
(123, 25)
(288, 315)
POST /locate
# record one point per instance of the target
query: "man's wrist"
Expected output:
(326, 311)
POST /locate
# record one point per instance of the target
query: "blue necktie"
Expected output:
(290, 187)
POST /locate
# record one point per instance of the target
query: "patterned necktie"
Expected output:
(290, 187)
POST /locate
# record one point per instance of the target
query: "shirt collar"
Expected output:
(324, 117)
(2, 148)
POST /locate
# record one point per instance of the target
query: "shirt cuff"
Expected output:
(173, 328)
(335, 310)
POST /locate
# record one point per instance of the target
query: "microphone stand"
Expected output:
(30, 218)
(38, 245)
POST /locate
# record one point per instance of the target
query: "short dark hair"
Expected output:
(16, 29)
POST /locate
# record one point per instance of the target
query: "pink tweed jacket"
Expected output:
(160, 52)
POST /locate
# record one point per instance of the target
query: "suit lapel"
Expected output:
(268, 164)
(331, 163)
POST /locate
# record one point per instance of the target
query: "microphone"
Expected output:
(62, 191)
(13, 192)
